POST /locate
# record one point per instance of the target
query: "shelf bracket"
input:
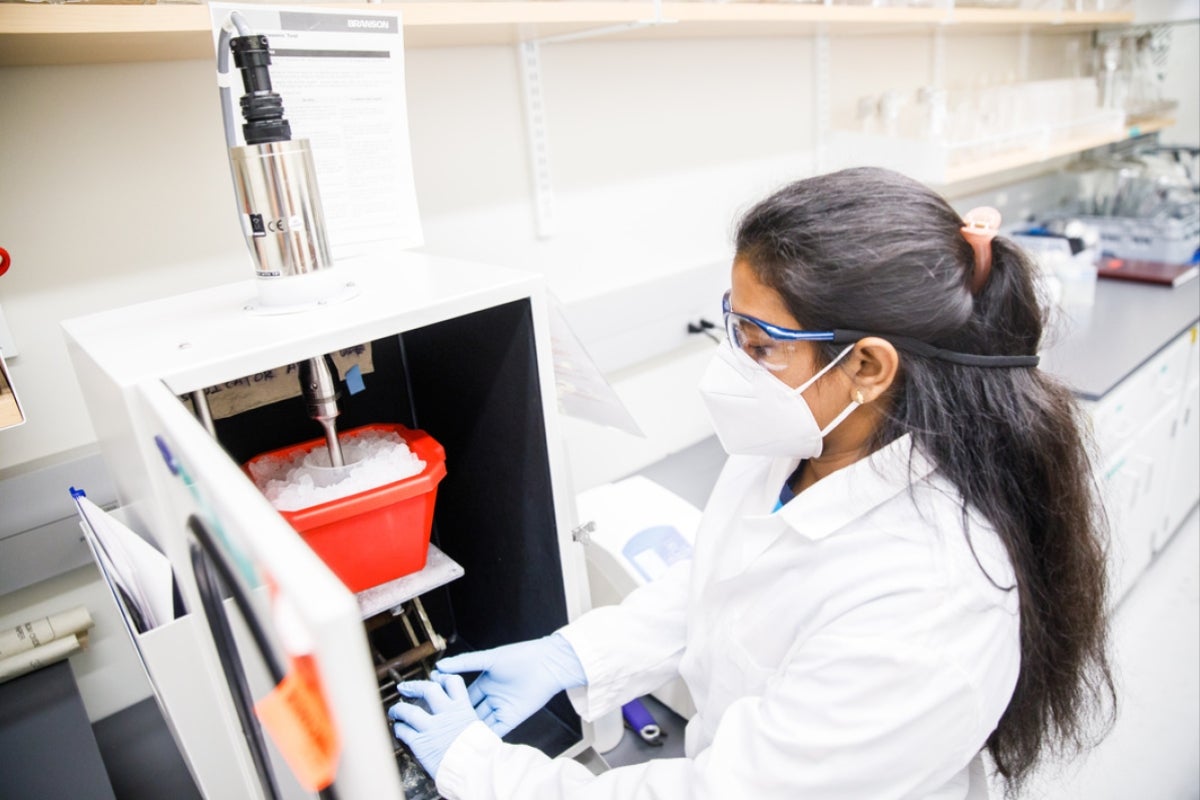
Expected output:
(1023, 54)
(938, 59)
(821, 98)
(537, 138)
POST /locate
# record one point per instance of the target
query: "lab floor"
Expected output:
(1153, 750)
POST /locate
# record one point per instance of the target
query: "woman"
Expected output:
(900, 565)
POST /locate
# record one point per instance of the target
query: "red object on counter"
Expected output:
(1158, 272)
(381, 534)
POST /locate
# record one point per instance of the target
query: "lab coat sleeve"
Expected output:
(633, 648)
(844, 720)
(519, 771)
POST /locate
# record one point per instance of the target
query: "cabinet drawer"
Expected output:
(1121, 415)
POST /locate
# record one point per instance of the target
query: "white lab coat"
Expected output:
(847, 646)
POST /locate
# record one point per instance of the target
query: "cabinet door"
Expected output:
(1137, 430)
(1120, 486)
(304, 611)
(1134, 488)
(1184, 480)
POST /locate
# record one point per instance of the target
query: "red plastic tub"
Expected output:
(378, 535)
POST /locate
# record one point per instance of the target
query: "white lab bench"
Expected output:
(1133, 359)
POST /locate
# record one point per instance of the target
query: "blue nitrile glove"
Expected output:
(517, 679)
(429, 734)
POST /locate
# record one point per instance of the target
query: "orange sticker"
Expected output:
(297, 718)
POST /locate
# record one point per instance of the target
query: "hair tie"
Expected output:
(981, 226)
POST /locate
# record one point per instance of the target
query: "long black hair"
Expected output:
(871, 250)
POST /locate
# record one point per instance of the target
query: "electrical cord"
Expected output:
(705, 327)
(207, 565)
(213, 574)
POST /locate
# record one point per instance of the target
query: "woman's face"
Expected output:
(795, 362)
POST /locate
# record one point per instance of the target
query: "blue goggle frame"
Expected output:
(838, 336)
(774, 331)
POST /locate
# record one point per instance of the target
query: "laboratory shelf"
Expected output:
(85, 33)
(1021, 158)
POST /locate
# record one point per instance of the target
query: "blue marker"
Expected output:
(639, 719)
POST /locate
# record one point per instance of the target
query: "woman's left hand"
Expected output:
(429, 734)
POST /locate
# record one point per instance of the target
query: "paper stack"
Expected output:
(139, 575)
(41, 642)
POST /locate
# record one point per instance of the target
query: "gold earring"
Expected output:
(858, 397)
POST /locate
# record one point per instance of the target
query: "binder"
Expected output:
(1156, 272)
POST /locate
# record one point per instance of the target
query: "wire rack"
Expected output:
(404, 646)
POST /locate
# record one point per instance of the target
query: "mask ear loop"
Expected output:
(980, 227)
(847, 411)
(802, 388)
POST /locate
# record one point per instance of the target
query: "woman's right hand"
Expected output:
(516, 680)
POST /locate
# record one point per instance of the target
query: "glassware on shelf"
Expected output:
(1112, 84)
(867, 114)
(1131, 66)
(989, 3)
(891, 105)
(1144, 204)
(932, 131)
(933, 104)
(1097, 6)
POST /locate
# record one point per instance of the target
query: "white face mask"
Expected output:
(755, 413)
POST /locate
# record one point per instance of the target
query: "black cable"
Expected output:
(207, 582)
(238, 592)
(705, 327)
(212, 573)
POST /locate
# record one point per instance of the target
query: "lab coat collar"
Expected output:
(853, 491)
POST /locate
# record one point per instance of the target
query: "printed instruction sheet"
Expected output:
(340, 76)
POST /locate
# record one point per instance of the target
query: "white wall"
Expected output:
(116, 189)
(1183, 65)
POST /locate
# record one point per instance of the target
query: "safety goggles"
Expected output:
(770, 345)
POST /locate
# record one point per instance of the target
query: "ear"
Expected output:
(872, 367)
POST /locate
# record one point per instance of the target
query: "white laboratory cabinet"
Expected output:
(1183, 481)
(457, 349)
(1149, 448)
